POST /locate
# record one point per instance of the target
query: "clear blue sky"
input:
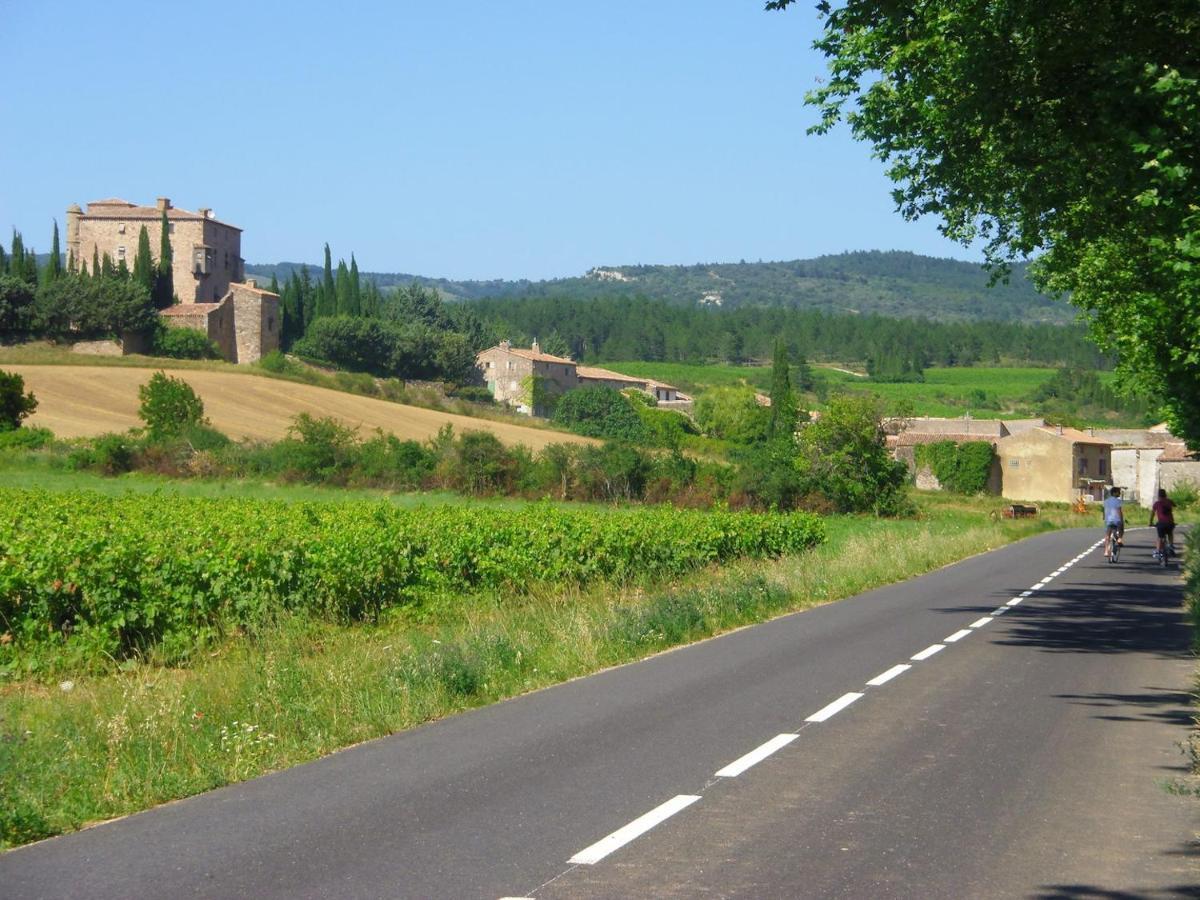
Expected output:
(468, 140)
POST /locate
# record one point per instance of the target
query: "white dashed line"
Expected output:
(887, 676)
(636, 828)
(1026, 593)
(1015, 601)
(999, 610)
(928, 652)
(979, 623)
(957, 636)
(757, 755)
(833, 708)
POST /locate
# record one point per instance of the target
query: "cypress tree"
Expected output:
(3, 262)
(95, 260)
(783, 400)
(122, 270)
(16, 265)
(163, 289)
(72, 263)
(307, 303)
(143, 263)
(356, 304)
(344, 300)
(274, 284)
(327, 298)
(107, 270)
(54, 268)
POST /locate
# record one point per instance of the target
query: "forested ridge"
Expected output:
(623, 328)
(888, 283)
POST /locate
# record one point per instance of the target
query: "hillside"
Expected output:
(885, 283)
(78, 401)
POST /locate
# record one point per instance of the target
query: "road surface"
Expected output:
(1000, 728)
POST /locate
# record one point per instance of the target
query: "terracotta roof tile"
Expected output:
(123, 209)
(189, 309)
(1178, 453)
(911, 438)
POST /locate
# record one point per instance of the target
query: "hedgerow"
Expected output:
(116, 577)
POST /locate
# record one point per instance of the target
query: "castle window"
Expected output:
(121, 228)
(170, 228)
(120, 253)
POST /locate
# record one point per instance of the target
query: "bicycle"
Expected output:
(1114, 546)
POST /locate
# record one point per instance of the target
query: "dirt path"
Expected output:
(77, 401)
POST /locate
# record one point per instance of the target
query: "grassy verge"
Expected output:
(1191, 784)
(90, 748)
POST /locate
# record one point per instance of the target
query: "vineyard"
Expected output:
(116, 577)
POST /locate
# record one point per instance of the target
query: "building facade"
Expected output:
(244, 324)
(206, 253)
(510, 374)
(1054, 463)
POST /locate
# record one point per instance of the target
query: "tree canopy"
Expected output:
(1064, 129)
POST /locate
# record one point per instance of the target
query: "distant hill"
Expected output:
(888, 283)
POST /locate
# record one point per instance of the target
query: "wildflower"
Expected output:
(67, 686)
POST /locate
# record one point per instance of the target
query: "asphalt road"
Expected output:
(1024, 758)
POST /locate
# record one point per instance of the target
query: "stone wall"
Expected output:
(255, 322)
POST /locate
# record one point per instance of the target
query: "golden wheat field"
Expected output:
(79, 401)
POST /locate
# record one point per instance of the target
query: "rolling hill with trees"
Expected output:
(888, 283)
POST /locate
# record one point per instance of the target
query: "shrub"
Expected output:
(385, 460)
(15, 404)
(184, 343)
(316, 450)
(732, 414)
(168, 405)
(110, 454)
(843, 456)
(600, 412)
(26, 438)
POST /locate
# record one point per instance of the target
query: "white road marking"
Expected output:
(1025, 593)
(928, 652)
(999, 610)
(639, 826)
(828, 712)
(1036, 587)
(741, 764)
(957, 636)
(979, 623)
(1015, 601)
(887, 676)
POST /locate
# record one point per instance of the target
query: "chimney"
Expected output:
(205, 212)
(250, 282)
(163, 203)
(535, 348)
(504, 345)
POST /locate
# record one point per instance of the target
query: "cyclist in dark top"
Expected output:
(1162, 517)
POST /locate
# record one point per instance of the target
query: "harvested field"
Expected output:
(80, 401)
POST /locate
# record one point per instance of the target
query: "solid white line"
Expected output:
(742, 763)
(828, 712)
(928, 652)
(887, 676)
(636, 828)
(979, 623)
(957, 636)
(1015, 601)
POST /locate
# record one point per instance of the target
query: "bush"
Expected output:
(184, 343)
(168, 405)
(277, 362)
(26, 439)
(600, 412)
(843, 456)
(15, 404)
(109, 454)
(316, 450)
(733, 414)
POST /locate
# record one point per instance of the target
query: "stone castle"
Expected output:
(208, 270)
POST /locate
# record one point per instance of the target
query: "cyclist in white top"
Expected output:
(1114, 518)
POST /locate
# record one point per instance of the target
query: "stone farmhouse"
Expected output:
(508, 372)
(208, 270)
(1054, 463)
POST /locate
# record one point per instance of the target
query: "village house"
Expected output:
(1178, 467)
(1054, 463)
(509, 373)
(207, 272)
(905, 435)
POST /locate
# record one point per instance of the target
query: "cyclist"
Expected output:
(1114, 519)
(1162, 517)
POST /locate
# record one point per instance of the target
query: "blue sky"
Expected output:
(467, 140)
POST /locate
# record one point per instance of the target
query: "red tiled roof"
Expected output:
(123, 209)
(1178, 453)
(911, 438)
